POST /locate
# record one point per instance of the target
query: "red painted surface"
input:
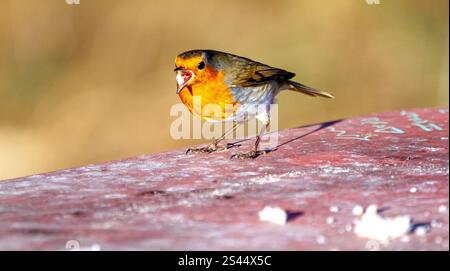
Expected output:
(170, 201)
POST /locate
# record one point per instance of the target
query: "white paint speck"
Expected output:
(442, 209)
(421, 231)
(321, 240)
(435, 223)
(413, 190)
(373, 226)
(358, 210)
(330, 220)
(334, 209)
(273, 214)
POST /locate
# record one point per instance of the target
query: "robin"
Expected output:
(237, 85)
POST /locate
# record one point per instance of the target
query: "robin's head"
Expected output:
(193, 67)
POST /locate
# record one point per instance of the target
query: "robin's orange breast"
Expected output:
(209, 90)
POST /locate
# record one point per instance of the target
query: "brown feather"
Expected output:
(258, 73)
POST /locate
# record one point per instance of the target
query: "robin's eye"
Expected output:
(201, 65)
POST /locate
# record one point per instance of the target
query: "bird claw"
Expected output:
(209, 149)
(251, 154)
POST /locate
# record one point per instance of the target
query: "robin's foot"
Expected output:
(251, 154)
(211, 148)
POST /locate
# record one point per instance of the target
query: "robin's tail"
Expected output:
(291, 85)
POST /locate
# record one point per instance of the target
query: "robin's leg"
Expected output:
(255, 152)
(214, 145)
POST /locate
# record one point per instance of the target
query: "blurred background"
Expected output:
(93, 82)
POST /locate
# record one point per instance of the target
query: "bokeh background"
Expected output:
(93, 82)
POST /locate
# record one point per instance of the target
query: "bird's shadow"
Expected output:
(322, 125)
(291, 215)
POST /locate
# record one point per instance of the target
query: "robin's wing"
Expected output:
(260, 74)
(243, 72)
(250, 73)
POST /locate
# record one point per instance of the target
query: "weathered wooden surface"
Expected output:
(170, 201)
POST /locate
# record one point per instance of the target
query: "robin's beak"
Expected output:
(183, 78)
